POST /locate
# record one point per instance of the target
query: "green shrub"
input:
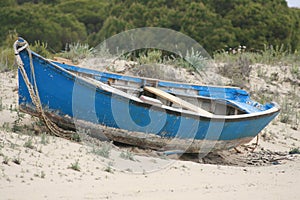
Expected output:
(295, 70)
(294, 151)
(29, 143)
(77, 51)
(109, 168)
(104, 151)
(196, 60)
(269, 55)
(41, 49)
(7, 59)
(286, 111)
(150, 57)
(127, 155)
(76, 137)
(44, 139)
(75, 166)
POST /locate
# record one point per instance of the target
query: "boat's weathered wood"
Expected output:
(173, 99)
(151, 100)
(140, 139)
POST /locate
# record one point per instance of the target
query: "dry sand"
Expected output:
(46, 167)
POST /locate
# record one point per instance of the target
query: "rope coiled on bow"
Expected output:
(19, 46)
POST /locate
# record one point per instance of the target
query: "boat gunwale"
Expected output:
(136, 77)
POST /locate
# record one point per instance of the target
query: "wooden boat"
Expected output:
(139, 111)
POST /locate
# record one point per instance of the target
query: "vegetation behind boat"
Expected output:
(216, 25)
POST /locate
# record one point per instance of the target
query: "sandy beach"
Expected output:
(36, 165)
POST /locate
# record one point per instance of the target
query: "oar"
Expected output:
(176, 100)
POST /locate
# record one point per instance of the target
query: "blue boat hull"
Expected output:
(63, 94)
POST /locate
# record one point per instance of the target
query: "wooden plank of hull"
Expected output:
(176, 100)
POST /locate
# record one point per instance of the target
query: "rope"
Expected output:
(34, 93)
(256, 144)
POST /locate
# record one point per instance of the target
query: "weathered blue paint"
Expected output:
(57, 90)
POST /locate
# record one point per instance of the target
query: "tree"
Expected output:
(215, 24)
(41, 22)
(111, 26)
(256, 25)
(91, 13)
(7, 3)
(206, 27)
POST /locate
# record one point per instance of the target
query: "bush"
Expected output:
(150, 57)
(104, 151)
(77, 51)
(7, 59)
(127, 155)
(75, 166)
(41, 49)
(294, 151)
(196, 60)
